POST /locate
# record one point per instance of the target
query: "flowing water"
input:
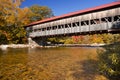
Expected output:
(67, 63)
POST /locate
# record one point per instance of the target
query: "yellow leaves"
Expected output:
(11, 12)
(97, 39)
(114, 58)
(69, 41)
(11, 19)
(23, 16)
(110, 57)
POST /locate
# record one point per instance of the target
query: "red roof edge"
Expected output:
(75, 13)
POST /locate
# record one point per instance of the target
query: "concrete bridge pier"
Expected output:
(39, 41)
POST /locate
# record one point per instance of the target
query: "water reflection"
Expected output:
(47, 64)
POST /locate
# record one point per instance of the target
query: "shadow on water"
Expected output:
(89, 70)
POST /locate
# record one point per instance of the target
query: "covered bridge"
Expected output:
(104, 18)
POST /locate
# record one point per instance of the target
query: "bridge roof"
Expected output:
(76, 13)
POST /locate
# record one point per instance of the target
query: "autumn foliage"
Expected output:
(105, 38)
(109, 61)
(13, 19)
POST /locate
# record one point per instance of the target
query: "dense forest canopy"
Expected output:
(13, 18)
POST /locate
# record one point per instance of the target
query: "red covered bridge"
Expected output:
(100, 19)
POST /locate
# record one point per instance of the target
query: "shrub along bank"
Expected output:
(87, 39)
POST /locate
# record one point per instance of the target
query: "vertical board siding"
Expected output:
(46, 29)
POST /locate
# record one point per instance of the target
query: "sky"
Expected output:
(60, 7)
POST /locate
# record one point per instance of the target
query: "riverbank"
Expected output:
(3, 47)
(80, 45)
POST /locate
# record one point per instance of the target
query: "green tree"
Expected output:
(40, 12)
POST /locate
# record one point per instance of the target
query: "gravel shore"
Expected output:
(4, 47)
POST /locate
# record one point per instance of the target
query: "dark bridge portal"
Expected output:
(105, 18)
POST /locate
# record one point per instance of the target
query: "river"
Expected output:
(64, 63)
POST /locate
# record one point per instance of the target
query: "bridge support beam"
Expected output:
(37, 41)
